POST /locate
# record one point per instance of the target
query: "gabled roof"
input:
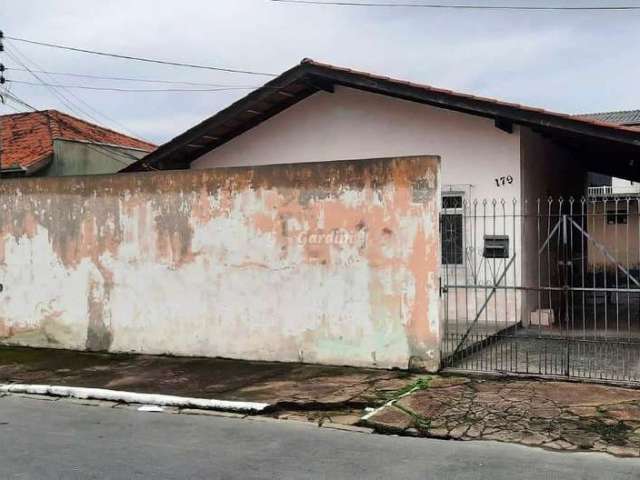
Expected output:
(310, 77)
(26, 139)
(625, 117)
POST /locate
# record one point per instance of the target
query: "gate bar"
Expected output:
(484, 306)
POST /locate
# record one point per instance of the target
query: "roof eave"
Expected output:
(321, 77)
(474, 105)
(244, 104)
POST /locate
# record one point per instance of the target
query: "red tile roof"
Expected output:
(26, 139)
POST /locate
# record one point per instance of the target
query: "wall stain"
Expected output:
(96, 223)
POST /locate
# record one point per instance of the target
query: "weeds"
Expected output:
(420, 384)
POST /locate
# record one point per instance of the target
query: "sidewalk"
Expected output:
(555, 415)
(561, 416)
(287, 387)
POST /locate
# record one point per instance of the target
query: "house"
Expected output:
(516, 228)
(52, 143)
(627, 118)
(615, 210)
(603, 185)
(338, 217)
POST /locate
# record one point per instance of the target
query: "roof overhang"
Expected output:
(591, 136)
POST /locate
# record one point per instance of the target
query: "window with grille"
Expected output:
(617, 217)
(451, 229)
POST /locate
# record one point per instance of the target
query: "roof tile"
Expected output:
(27, 138)
(627, 117)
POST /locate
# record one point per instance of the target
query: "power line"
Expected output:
(462, 6)
(139, 59)
(127, 79)
(91, 145)
(66, 101)
(115, 89)
(19, 58)
(62, 97)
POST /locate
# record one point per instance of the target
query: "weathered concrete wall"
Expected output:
(332, 263)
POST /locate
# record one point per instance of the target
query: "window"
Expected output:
(617, 217)
(451, 229)
(452, 201)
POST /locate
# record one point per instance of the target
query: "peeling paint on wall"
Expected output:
(334, 263)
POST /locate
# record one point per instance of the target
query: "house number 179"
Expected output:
(502, 181)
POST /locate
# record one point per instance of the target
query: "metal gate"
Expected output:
(545, 289)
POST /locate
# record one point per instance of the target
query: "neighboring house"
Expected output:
(615, 213)
(603, 185)
(52, 143)
(511, 258)
(627, 118)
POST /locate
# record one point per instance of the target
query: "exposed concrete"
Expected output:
(286, 386)
(333, 263)
(553, 415)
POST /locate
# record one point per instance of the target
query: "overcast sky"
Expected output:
(565, 61)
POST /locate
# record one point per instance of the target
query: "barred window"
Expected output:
(451, 229)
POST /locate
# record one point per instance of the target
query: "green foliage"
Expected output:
(420, 384)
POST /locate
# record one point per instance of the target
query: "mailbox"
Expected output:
(496, 246)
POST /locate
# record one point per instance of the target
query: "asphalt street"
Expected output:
(62, 440)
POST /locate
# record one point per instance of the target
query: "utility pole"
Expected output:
(2, 81)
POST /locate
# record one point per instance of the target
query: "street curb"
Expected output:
(131, 397)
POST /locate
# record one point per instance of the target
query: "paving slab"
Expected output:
(555, 415)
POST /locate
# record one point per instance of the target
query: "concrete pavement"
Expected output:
(556, 415)
(42, 439)
(286, 384)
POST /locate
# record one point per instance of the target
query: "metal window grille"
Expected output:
(451, 228)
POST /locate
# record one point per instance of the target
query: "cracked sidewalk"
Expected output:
(562, 416)
(286, 387)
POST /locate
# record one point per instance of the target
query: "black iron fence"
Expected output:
(549, 288)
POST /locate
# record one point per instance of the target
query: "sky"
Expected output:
(572, 62)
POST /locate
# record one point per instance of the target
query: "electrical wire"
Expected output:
(21, 59)
(17, 57)
(128, 79)
(462, 6)
(139, 90)
(91, 145)
(139, 59)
